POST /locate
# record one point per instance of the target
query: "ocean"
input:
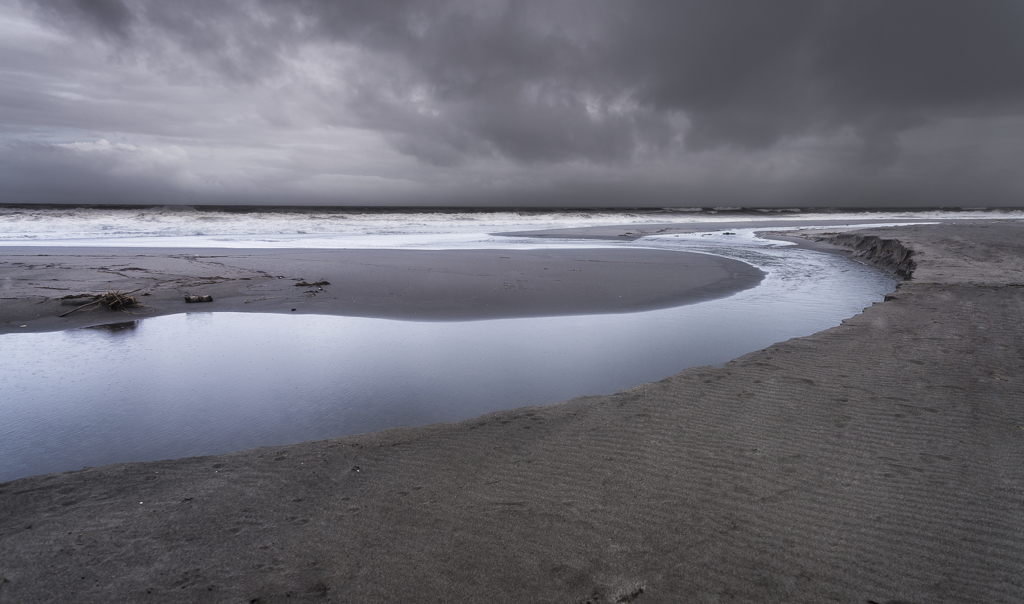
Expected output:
(245, 227)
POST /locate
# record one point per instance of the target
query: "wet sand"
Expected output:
(394, 284)
(878, 461)
(636, 231)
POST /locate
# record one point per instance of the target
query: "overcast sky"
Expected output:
(513, 103)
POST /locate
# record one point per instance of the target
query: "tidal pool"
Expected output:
(207, 383)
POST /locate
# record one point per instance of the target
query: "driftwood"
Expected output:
(315, 284)
(193, 299)
(112, 300)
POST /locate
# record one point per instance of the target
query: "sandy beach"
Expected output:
(394, 284)
(878, 461)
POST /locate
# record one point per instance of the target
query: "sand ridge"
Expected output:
(394, 284)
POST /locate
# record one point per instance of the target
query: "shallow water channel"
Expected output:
(207, 383)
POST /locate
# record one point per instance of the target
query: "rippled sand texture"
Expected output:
(876, 461)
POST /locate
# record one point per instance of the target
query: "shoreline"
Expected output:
(637, 231)
(874, 461)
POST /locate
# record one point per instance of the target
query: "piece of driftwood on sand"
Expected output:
(112, 300)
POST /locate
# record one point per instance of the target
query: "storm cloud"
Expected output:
(545, 102)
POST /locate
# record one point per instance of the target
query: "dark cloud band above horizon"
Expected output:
(533, 102)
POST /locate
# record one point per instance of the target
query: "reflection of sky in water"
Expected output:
(205, 383)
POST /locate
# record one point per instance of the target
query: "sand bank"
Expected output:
(394, 284)
(877, 461)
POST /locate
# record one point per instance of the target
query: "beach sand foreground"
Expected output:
(878, 461)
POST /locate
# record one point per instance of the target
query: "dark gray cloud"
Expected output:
(486, 95)
(108, 17)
